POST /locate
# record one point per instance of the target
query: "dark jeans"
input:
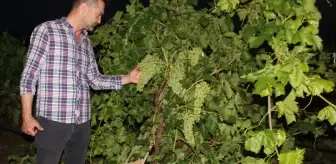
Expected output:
(58, 137)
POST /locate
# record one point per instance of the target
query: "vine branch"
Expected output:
(159, 111)
(269, 111)
(327, 101)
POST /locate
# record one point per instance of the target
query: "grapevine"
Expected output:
(177, 74)
(150, 66)
(200, 69)
(209, 82)
(190, 117)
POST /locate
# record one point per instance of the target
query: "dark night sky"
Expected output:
(21, 16)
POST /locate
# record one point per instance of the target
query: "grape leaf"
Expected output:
(267, 138)
(292, 157)
(256, 42)
(309, 5)
(328, 113)
(318, 42)
(251, 160)
(242, 13)
(318, 85)
(304, 126)
(117, 16)
(279, 89)
(263, 86)
(288, 107)
(296, 77)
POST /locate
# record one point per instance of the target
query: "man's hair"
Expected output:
(76, 3)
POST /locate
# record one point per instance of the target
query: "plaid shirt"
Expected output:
(64, 71)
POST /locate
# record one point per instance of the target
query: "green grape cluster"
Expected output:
(188, 122)
(177, 73)
(201, 91)
(189, 118)
(149, 66)
(194, 55)
(227, 5)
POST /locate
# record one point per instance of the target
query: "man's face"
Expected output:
(93, 15)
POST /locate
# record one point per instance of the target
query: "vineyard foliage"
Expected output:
(220, 84)
(204, 71)
(11, 64)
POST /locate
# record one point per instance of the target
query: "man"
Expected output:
(61, 61)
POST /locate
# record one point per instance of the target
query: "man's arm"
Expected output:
(26, 102)
(29, 125)
(35, 57)
(98, 81)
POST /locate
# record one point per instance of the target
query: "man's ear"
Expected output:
(84, 7)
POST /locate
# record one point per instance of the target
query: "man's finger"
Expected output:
(32, 132)
(137, 67)
(29, 132)
(39, 127)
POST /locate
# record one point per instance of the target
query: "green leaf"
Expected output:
(317, 85)
(309, 5)
(248, 33)
(228, 91)
(263, 86)
(304, 67)
(328, 113)
(251, 160)
(117, 16)
(279, 89)
(270, 29)
(254, 143)
(267, 138)
(242, 13)
(289, 34)
(255, 42)
(318, 42)
(288, 107)
(299, 91)
(292, 157)
(304, 127)
(130, 8)
(296, 77)
(230, 34)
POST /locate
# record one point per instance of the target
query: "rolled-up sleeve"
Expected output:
(99, 81)
(35, 58)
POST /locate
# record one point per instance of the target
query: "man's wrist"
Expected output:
(125, 79)
(26, 116)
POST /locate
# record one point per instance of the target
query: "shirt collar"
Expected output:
(63, 20)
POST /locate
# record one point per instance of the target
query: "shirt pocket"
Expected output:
(61, 58)
(83, 64)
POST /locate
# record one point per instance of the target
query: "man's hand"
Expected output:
(30, 126)
(133, 76)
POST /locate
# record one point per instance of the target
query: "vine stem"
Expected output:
(327, 101)
(175, 138)
(269, 111)
(263, 118)
(197, 81)
(159, 110)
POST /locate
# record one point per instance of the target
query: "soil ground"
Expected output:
(11, 141)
